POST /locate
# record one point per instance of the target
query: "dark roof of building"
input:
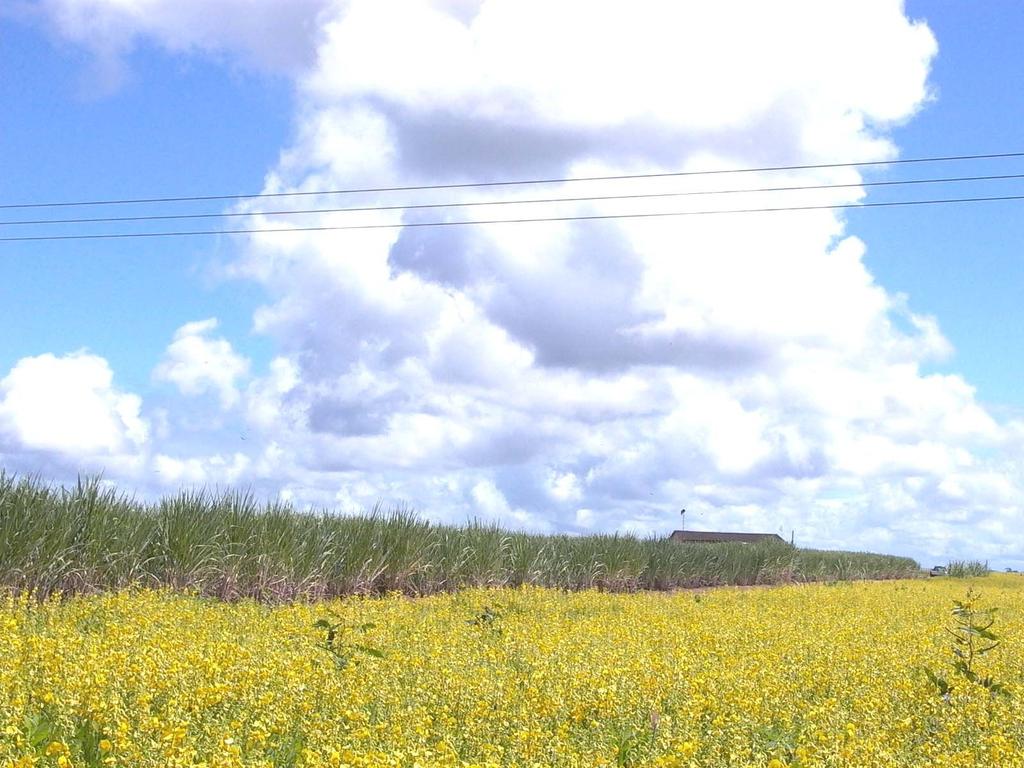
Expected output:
(710, 536)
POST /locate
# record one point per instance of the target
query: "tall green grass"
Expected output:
(230, 545)
(962, 569)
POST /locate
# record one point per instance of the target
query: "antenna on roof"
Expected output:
(682, 519)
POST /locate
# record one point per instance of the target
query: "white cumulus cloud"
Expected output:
(197, 363)
(201, 470)
(599, 375)
(68, 406)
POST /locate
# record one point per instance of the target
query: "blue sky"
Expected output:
(764, 370)
(964, 264)
(176, 126)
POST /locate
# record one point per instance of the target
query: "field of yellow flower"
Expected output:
(811, 675)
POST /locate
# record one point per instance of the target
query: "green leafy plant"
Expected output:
(487, 618)
(88, 739)
(40, 729)
(630, 745)
(343, 651)
(971, 630)
(286, 751)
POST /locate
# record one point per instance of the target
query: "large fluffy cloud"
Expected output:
(599, 374)
(67, 410)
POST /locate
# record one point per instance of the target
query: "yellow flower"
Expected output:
(56, 748)
(557, 679)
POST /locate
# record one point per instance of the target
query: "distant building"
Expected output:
(708, 537)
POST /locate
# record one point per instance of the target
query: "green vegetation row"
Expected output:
(229, 545)
(963, 569)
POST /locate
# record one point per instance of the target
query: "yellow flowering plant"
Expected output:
(744, 678)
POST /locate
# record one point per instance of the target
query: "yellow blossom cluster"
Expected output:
(806, 675)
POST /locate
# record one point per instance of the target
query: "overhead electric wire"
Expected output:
(467, 185)
(529, 201)
(470, 222)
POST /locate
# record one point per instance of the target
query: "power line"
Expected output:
(466, 185)
(594, 217)
(475, 203)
